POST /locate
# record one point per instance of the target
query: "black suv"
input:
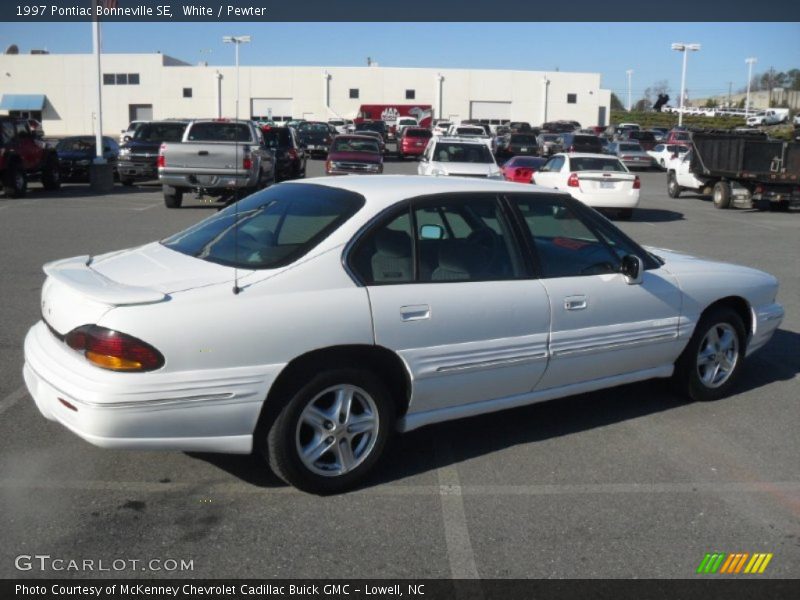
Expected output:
(517, 144)
(290, 157)
(582, 142)
(315, 137)
(379, 126)
(138, 157)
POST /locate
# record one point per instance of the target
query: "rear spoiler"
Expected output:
(78, 275)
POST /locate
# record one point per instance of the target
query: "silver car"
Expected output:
(631, 154)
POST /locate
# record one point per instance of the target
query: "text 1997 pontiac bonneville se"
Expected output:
(311, 320)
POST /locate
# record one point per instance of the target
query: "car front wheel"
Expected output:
(332, 431)
(673, 189)
(712, 361)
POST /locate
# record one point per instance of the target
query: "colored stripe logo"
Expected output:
(734, 564)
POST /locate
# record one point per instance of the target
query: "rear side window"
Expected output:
(159, 132)
(269, 229)
(219, 132)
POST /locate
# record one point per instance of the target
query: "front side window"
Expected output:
(564, 244)
(270, 229)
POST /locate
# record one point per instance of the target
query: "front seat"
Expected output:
(460, 260)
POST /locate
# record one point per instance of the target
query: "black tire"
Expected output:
(286, 431)
(673, 189)
(15, 182)
(51, 175)
(127, 182)
(721, 195)
(687, 370)
(173, 199)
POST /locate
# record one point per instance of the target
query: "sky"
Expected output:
(607, 48)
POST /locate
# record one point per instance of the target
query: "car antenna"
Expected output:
(236, 288)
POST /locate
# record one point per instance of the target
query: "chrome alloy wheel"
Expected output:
(337, 430)
(718, 355)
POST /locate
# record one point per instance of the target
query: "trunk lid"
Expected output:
(601, 182)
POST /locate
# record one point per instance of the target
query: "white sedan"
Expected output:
(313, 319)
(663, 153)
(596, 180)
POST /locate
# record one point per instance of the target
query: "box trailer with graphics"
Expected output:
(389, 113)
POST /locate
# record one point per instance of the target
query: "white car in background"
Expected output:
(475, 132)
(441, 127)
(663, 153)
(402, 123)
(458, 157)
(596, 180)
(348, 308)
(340, 125)
(127, 134)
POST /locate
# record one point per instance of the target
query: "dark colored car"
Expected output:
(413, 141)
(138, 157)
(647, 139)
(76, 154)
(379, 126)
(519, 126)
(315, 137)
(581, 142)
(559, 127)
(360, 154)
(290, 157)
(376, 136)
(515, 144)
(23, 157)
(521, 168)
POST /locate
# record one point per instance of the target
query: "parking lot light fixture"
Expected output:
(750, 62)
(236, 40)
(685, 48)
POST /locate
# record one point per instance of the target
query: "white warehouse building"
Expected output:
(59, 90)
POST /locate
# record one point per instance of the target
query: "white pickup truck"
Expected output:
(771, 116)
(223, 158)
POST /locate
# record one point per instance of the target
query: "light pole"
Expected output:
(629, 73)
(685, 48)
(545, 85)
(750, 62)
(237, 40)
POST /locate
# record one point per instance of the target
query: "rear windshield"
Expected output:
(523, 139)
(630, 147)
(406, 121)
(317, 127)
(532, 162)
(586, 139)
(270, 229)
(159, 132)
(75, 144)
(349, 144)
(596, 164)
(378, 126)
(219, 132)
(277, 137)
(470, 131)
(680, 136)
(418, 133)
(646, 136)
(463, 153)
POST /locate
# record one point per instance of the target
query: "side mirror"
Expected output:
(632, 269)
(431, 232)
(127, 138)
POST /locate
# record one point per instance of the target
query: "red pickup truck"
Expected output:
(23, 157)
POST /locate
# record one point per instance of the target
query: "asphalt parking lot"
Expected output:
(628, 482)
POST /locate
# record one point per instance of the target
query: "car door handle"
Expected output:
(416, 312)
(575, 303)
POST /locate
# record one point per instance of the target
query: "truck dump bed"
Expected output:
(745, 156)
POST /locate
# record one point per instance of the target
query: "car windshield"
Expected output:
(276, 137)
(680, 136)
(406, 121)
(378, 126)
(75, 145)
(418, 133)
(630, 147)
(523, 139)
(219, 132)
(550, 137)
(313, 127)
(463, 153)
(585, 163)
(341, 144)
(269, 229)
(160, 132)
(470, 131)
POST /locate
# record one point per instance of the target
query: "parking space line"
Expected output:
(456, 533)
(12, 399)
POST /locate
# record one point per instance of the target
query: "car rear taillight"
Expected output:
(522, 173)
(573, 180)
(637, 183)
(247, 163)
(109, 349)
(292, 153)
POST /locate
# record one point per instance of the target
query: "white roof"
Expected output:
(460, 140)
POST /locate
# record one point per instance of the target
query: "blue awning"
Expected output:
(22, 102)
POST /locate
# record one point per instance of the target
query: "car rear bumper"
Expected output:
(600, 200)
(132, 170)
(214, 181)
(198, 411)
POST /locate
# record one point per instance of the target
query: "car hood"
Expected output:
(364, 157)
(679, 263)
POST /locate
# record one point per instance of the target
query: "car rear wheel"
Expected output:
(722, 194)
(126, 182)
(712, 360)
(51, 175)
(15, 183)
(332, 431)
(173, 198)
(673, 189)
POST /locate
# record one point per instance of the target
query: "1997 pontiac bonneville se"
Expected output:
(311, 320)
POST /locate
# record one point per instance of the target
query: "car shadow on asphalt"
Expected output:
(654, 215)
(420, 451)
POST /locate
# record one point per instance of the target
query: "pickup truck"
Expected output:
(772, 116)
(221, 157)
(742, 170)
(23, 157)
